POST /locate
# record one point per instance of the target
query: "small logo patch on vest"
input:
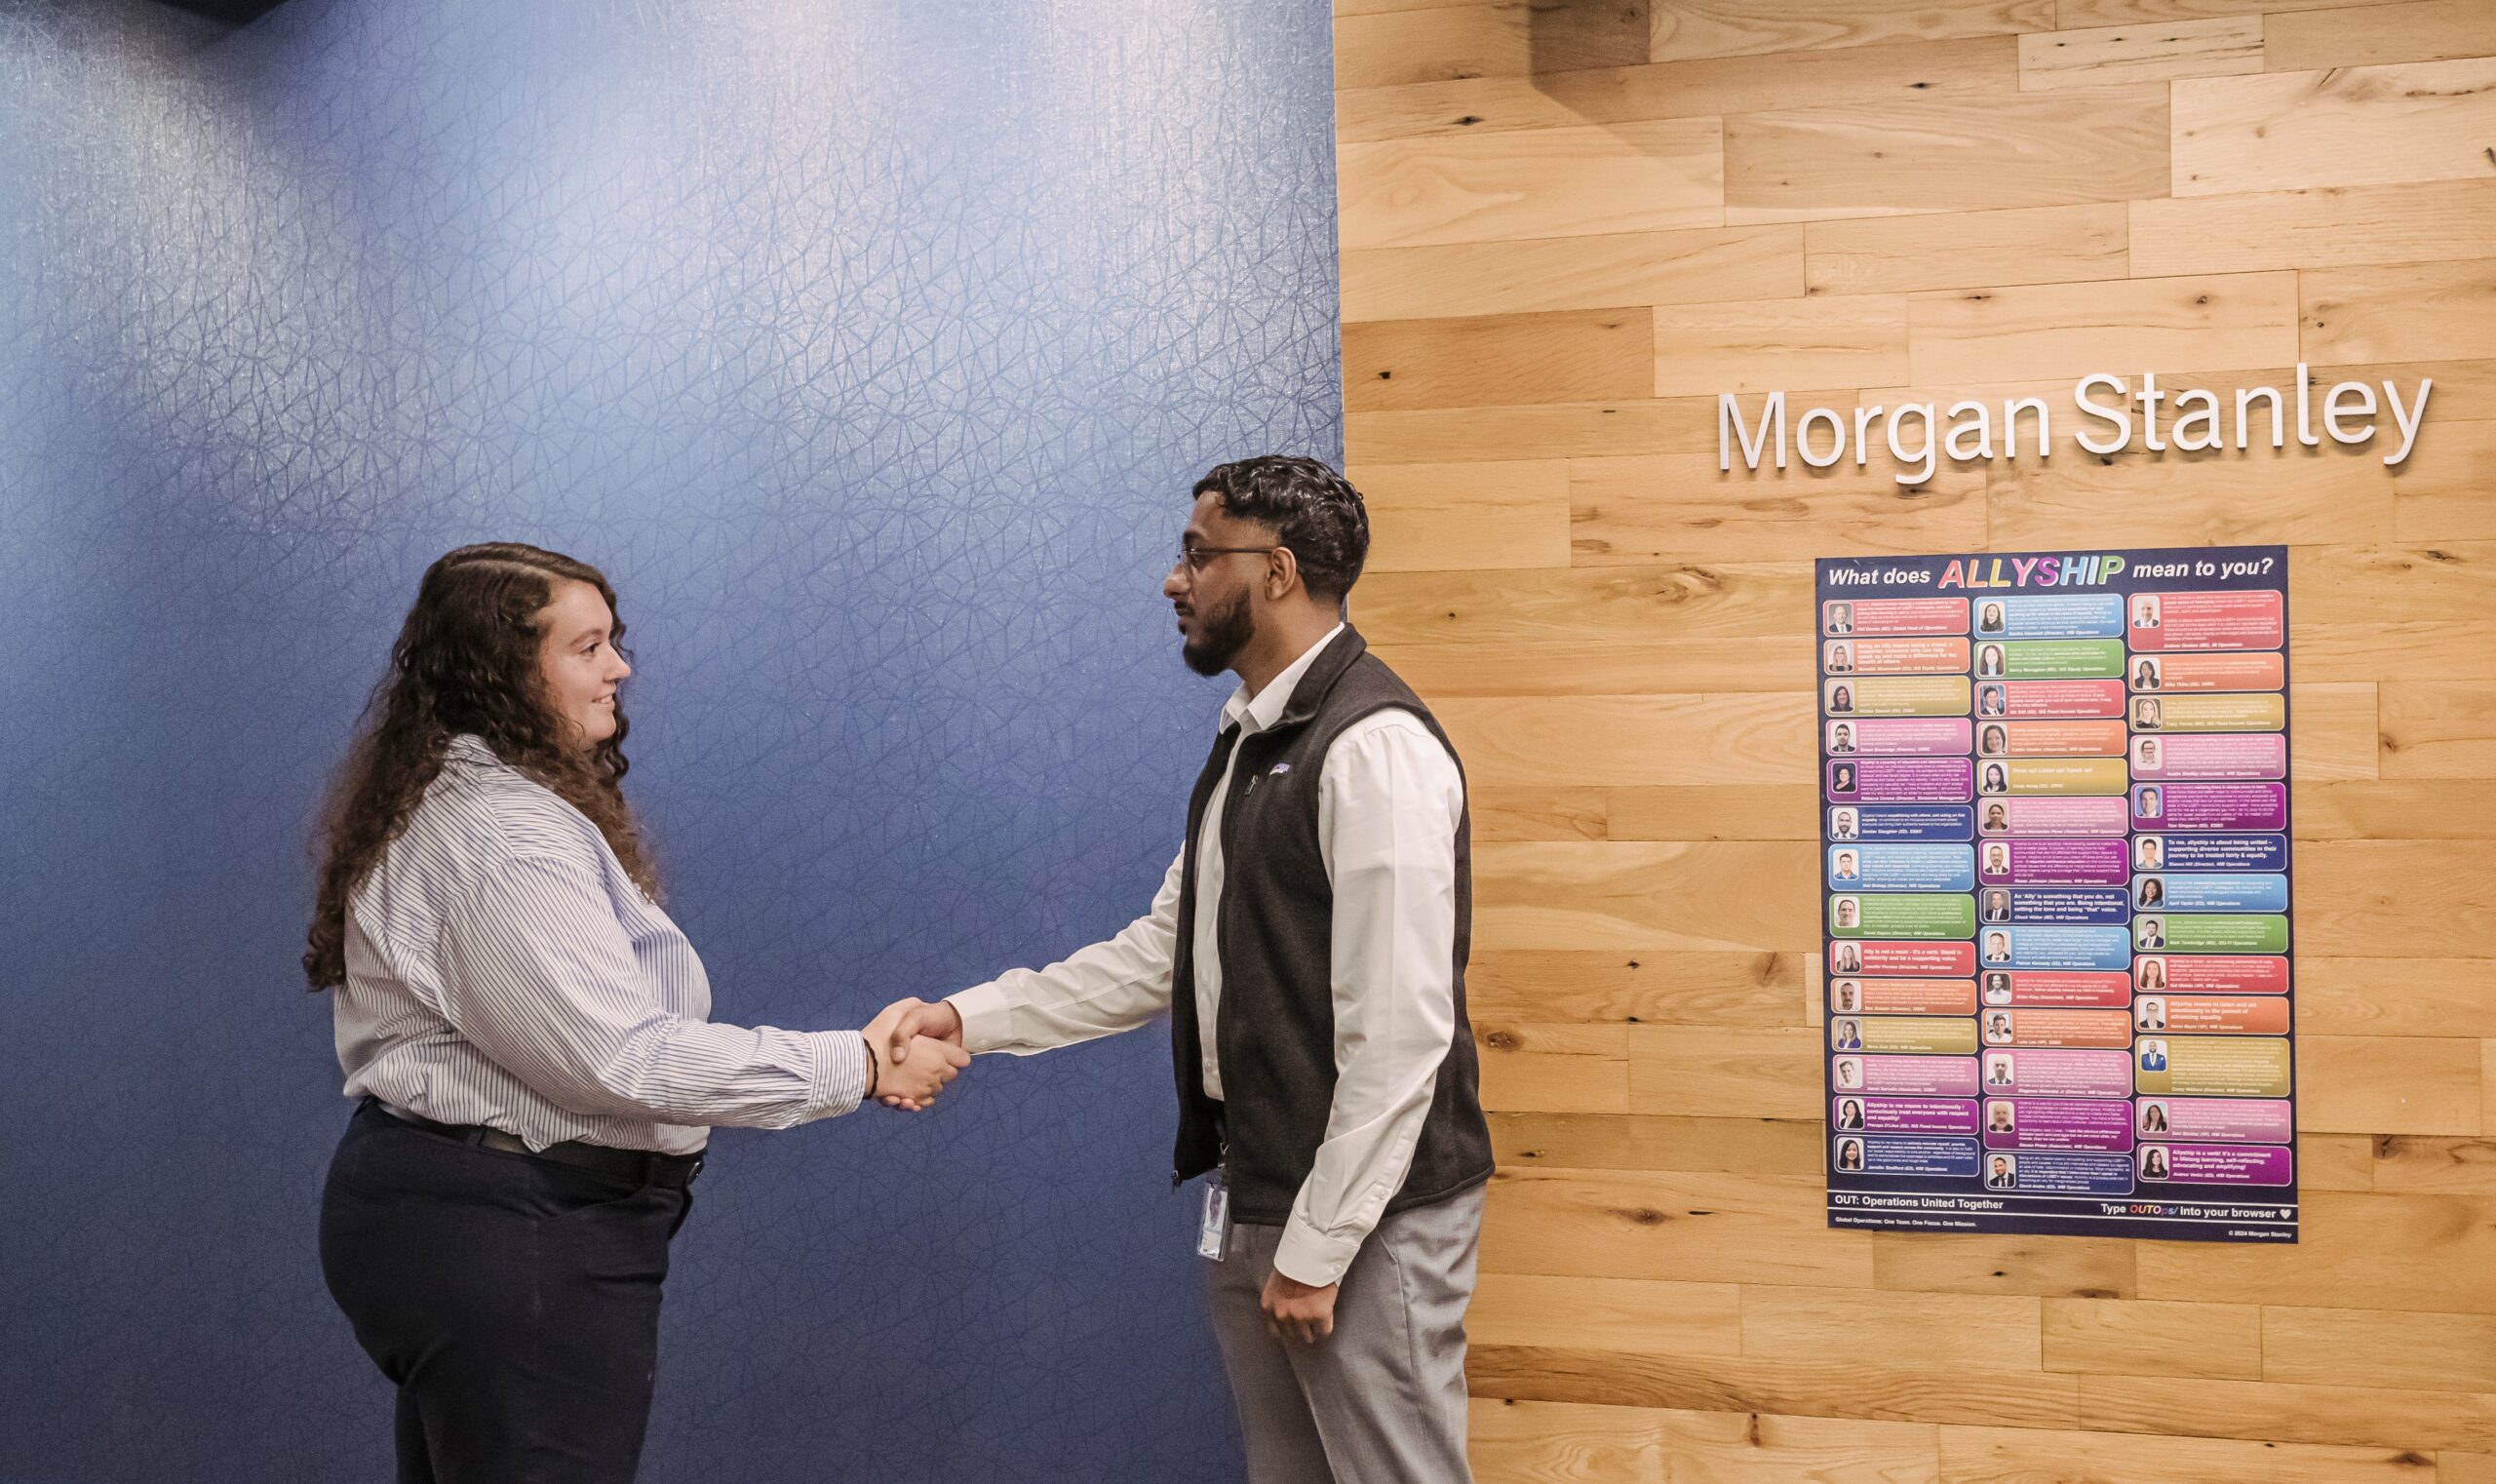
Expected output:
(1282, 767)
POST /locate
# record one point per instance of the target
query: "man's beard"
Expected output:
(1219, 637)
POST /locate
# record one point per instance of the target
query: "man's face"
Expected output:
(1216, 604)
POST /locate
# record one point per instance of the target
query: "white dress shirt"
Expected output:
(1389, 798)
(503, 969)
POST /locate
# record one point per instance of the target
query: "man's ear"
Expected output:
(1282, 574)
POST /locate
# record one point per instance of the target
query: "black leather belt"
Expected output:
(638, 1166)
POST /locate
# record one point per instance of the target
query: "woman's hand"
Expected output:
(921, 1072)
(893, 1031)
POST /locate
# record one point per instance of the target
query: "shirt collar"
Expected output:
(1254, 714)
(468, 747)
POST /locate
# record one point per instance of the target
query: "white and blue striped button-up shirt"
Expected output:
(502, 969)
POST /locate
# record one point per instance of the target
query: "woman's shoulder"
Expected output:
(481, 812)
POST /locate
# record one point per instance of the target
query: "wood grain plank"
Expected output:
(2418, 310)
(2014, 1455)
(2332, 228)
(2429, 904)
(1754, 811)
(2337, 1161)
(2396, 996)
(2362, 1347)
(2110, 56)
(1727, 1072)
(1638, 1142)
(2364, 35)
(1909, 254)
(2438, 729)
(1768, 344)
(1703, 1229)
(1684, 29)
(2428, 1254)
(2441, 490)
(1498, 359)
(2075, 13)
(1510, 668)
(2191, 499)
(1645, 986)
(2443, 1166)
(2395, 810)
(1740, 896)
(1646, 177)
(1586, 429)
(1535, 813)
(2270, 1412)
(2334, 735)
(1632, 1315)
(1666, 508)
(2051, 1267)
(1704, 88)
(1894, 1392)
(1633, 739)
(1946, 154)
(1598, 272)
(2132, 1337)
(1978, 1331)
(1542, 1068)
(1382, 49)
(1441, 516)
(2212, 322)
(2376, 610)
(1626, 606)
(1515, 1443)
(2355, 126)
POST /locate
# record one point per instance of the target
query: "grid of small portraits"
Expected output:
(2055, 844)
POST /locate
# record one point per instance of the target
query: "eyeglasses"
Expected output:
(1196, 557)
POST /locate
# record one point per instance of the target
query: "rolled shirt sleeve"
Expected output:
(1390, 800)
(543, 979)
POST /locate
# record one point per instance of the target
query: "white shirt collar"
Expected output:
(1254, 714)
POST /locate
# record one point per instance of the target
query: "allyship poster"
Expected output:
(2054, 893)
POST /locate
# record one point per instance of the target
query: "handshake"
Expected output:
(917, 1049)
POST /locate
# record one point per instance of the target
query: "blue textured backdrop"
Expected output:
(869, 346)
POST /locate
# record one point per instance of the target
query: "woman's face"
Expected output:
(579, 661)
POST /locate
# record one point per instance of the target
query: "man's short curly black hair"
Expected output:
(1313, 510)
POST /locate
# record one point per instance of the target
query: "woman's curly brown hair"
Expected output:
(466, 661)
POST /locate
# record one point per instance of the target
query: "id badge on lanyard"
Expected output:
(1213, 1233)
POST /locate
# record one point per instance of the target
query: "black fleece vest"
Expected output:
(1274, 1040)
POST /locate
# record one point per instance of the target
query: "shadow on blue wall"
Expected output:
(870, 348)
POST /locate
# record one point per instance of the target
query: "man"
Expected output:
(1310, 941)
(2000, 1177)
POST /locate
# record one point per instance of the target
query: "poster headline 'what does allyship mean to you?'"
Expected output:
(2054, 847)
(1919, 434)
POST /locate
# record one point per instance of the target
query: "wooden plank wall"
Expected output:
(1565, 226)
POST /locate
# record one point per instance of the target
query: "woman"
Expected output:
(529, 1036)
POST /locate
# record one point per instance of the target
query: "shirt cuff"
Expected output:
(987, 1017)
(1311, 1256)
(840, 1074)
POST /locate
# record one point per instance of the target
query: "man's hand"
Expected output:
(896, 1029)
(1294, 1311)
(914, 1081)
